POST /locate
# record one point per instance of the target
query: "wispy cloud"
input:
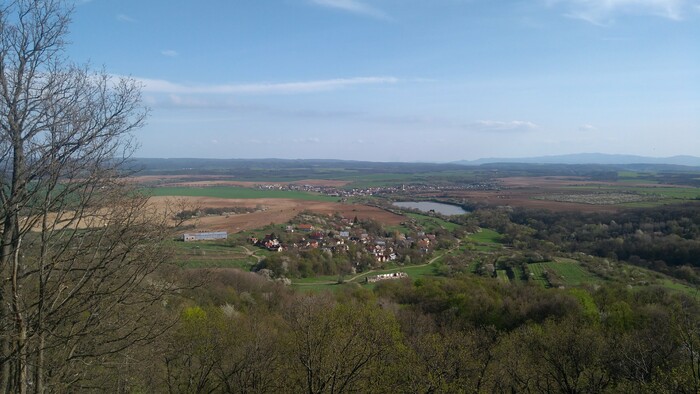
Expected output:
(499, 125)
(163, 86)
(353, 6)
(587, 128)
(169, 53)
(602, 12)
(125, 18)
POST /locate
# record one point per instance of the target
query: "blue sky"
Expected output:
(403, 80)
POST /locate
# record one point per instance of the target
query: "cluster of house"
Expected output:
(381, 252)
(370, 191)
(382, 249)
(314, 239)
(270, 242)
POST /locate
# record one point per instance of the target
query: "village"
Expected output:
(362, 244)
(380, 190)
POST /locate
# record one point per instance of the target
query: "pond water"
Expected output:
(427, 206)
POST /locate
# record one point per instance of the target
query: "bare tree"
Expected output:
(78, 249)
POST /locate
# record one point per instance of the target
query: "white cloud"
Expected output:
(603, 12)
(125, 18)
(498, 125)
(353, 6)
(169, 52)
(587, 127)
(163, 86)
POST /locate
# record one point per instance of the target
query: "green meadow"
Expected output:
(233, 192)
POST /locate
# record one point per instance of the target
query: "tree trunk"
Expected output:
(20, 326)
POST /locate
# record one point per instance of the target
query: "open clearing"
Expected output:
(209, 183)
(568, 271)
(218, 180)
(271, 210)
(232, 192)
(561, 194)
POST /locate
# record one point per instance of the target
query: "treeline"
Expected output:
(666, 239)
(241, 333)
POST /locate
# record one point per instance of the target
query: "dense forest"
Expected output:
(666, 239)
(242, 333)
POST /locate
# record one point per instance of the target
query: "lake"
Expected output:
(427, 206)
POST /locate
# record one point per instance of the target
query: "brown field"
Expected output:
(548, 182)
(524, 198)
(218, 180)
(274, 210)
(521, 192)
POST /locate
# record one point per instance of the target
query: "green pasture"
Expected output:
(537, 276)
(662, 192)
(486, 240)
(486, 236)
(518, 273)
(214, 254)
(320, 283)
(234, 192)
(430, 223)
(676, 286)
(570, 272)
(634, 176)
(502, 276)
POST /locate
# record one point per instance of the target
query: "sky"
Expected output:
(403, 80)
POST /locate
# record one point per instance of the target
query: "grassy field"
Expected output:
(502, 275)
(237, 193)
(537, 276)
(486, 236)
(215, 254)
(669, 284)
(485, 240)
(570, 272)
(661, 192)
(430, 223)
(518, 273)
(323, 283)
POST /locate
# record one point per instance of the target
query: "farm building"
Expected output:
(188, 237)
(393, 275)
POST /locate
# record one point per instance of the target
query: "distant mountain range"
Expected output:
(590, 158)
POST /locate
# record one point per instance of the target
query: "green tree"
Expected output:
(339, 347)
